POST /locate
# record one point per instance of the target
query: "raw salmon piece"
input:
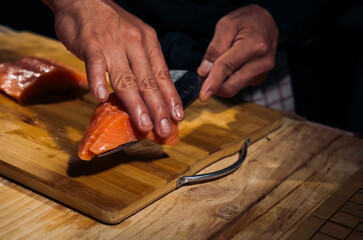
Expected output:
(110, 127)
(32, 76)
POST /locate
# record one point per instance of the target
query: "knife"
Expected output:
(188, 85)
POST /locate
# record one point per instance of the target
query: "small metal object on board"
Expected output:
(220, 173)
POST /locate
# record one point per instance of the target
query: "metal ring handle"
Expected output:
(217, 174)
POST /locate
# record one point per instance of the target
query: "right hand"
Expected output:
(108, 38)
(241, 53)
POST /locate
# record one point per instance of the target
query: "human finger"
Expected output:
(239, 54)
(95, 64)
(124, 84)
(164, 80)
(222, 40)
(251, 74)
(149, 90)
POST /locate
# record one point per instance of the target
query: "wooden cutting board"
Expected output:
(38, 143)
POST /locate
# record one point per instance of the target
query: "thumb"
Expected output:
(222, 41)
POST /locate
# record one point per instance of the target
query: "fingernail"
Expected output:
(145, 120)
(101, 92)
(205, 66)
(206, 95)
(178, 112)
(165, 126)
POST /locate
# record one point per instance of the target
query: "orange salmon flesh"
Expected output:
(31, 77)
(110, 127)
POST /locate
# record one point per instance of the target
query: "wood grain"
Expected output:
(38, 144)
(339, 217)
(282, 181)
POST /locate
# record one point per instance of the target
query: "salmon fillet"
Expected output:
(32, 76)
(110, 127)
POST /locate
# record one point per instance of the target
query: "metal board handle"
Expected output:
(217, 174)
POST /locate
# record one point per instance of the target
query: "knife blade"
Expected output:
(187, 84)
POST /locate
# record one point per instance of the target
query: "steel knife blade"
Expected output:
(188, 85)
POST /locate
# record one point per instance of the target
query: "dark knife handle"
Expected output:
(188, 87)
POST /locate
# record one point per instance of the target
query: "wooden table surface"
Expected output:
(38, 143)
(304, 164)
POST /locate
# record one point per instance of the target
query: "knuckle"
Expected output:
(261, 47)
(148, 84)
(213, 52)
(135, 34)
(226, 65)
(151, 32)
(124, 81)
(162, 75)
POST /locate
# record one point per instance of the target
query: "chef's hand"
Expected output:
(108, 38)
(241, 52)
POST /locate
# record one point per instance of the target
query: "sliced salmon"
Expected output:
(32, 76)
(110, 127)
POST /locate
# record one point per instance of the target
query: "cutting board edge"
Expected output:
(32, 182)
(107, 215)
(113, 212)
(115, 215)
(232, 148)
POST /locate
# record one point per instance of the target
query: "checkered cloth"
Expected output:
(276, 91)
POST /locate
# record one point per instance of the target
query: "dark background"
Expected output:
(31, 15)
(327, 74)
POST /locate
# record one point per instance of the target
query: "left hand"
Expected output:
(241, 53)
(108, 38)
